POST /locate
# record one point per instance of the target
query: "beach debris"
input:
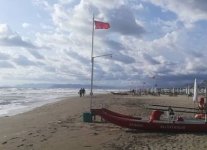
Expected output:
(4, 142)
(20, 145)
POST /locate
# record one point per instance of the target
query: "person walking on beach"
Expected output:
(83, 91)
(80, 92)
(171, 113)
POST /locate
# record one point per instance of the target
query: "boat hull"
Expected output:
(102, 111)
(156, 126)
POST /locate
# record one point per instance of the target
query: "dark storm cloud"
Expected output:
(181, 80)
(165, 69)
(123, 21)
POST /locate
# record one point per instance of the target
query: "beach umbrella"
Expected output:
(195, 91)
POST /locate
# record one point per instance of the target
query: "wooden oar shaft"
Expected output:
(174, 110)
(173, 107)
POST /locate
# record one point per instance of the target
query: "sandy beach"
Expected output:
(60, 126)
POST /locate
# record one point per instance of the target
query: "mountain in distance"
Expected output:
(49, 85)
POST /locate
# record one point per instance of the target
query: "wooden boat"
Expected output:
(120, 93)
(154, 123)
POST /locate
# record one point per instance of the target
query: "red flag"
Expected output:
(101, 25)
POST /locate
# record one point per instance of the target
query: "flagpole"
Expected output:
(195, 94)
(92, 63)
(188, 91)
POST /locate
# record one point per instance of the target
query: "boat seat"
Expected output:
(155, 115)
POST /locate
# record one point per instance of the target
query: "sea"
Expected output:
(18, 100)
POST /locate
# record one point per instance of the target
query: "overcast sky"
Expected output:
(49, 41)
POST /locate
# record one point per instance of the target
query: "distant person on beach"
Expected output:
(171, 112)
(83, 91)
(80, 92)
(133, 92)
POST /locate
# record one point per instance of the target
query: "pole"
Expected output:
(92, 62)
(205, 106)
(188, 91)
(92, 38)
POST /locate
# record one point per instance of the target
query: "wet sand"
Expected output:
(60, 126)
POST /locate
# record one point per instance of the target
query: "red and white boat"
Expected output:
(153, 123)
(102, 111)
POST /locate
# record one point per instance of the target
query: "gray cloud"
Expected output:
(123, 58)
(4, 56)
(5, 64)
(78, 57)
(150, 60)
(198, 4)
(15, 40)
(177, 80)
(67, 54)
(9, 38)
(196, 54)
(114, 45)
(35, 53)
(187, 11)
(122, 20)
(24, 61)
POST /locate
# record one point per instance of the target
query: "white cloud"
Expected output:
(140, 45)
(25, 25)
(4, 30)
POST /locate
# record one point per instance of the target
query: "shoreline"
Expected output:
(60, 125)
(17, 100)
(36, 106)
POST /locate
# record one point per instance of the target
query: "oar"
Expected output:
(175, 107)
(174, 110)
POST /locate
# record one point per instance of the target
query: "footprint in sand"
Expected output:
(4, 143)
(14, 138)
(36, 135)
(20, 145)
(43, 140)
(87, 146)
(30, 133)
(23, 140)
(38, 131)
